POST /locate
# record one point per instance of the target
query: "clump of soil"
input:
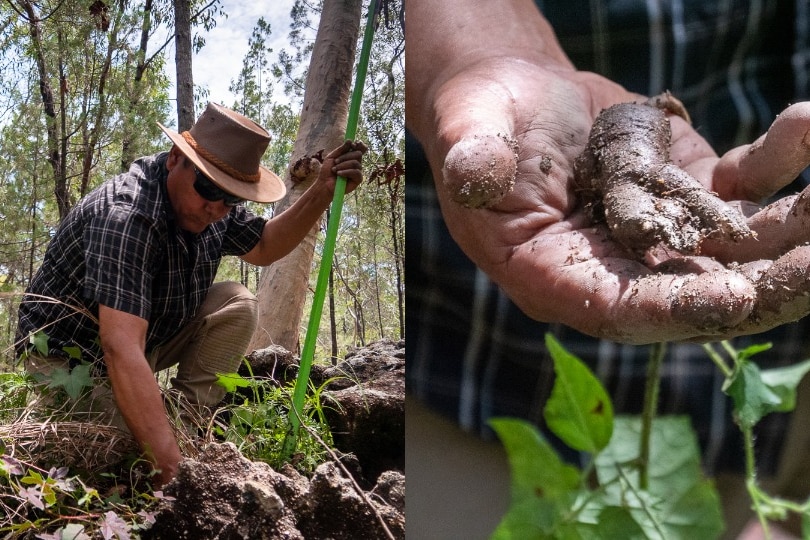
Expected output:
(627, 181)
(224, 495)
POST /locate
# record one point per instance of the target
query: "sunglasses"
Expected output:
(212, 192)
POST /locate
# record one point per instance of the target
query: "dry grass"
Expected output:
(85, 446)
(69, 438)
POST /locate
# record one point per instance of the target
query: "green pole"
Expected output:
(308, 350)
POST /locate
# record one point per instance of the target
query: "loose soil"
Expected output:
(223, 495)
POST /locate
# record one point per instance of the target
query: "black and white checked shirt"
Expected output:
(121, 247)
(472, 354)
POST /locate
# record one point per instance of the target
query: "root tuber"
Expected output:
(627, 180)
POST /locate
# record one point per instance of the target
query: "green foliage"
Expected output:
(15, 391)
(54, 505)
(757, 393)
(648, 483)
(73, 381)
(259, 424)
(579, 410)
(552, 499)
(679, 502)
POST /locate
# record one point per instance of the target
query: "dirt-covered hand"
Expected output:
(502, 125)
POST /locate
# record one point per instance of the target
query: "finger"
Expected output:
(354, 156)
(347, 146)
(753, 172)
(352, 165)
(779, 227)
(598, 292)
(783, 292)
(476, 145)
(360, 146)
(352, 175)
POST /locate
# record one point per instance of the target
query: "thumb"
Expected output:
(476, 126)
(479, 170)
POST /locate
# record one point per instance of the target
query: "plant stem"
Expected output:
(650, 409)
(718, 361)
(751, 481)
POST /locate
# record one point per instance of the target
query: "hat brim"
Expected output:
(269, 188)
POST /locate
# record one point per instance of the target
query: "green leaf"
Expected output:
(32, 478)
(783, 381)
(73, 352)
(73, 381)
(536, 469)
(40, 342)
(618, 522)
(756, 394)
(680, 502)
(751, 350)
(529, 519)
(232, 381)
(579, 410)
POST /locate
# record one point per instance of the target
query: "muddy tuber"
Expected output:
(626, 179)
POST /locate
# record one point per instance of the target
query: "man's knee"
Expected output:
(234, 301)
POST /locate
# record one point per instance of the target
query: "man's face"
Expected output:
(193, 212)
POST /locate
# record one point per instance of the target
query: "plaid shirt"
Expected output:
(120, 246)
(473, 355)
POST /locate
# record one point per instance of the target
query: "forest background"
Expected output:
(83, 85)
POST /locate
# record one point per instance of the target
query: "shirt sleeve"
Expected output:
(120, 247)
(244, 231)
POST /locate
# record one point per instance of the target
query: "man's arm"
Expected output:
(285, 231)
(123, 340)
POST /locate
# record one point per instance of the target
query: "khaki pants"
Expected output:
(213, 342)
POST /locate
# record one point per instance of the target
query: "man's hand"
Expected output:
(346, 161)
(286, 230)
(123, 339)
(502, 121)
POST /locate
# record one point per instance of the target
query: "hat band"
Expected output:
(224, 167)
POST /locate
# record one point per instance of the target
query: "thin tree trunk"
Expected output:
(283, 286)
(182, 62)
(48, 107)
(92, 135)
(398, 257)
(127, 154)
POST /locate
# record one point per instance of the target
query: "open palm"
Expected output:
(509, 118)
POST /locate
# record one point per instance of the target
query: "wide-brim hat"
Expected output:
(227, 147)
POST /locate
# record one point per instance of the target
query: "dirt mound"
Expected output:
(223, 495)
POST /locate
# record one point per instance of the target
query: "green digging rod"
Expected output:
(308, 351)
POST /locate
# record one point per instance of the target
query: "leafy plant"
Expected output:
(54, 505)
(641, 476)
(258, 425)
(756, 393)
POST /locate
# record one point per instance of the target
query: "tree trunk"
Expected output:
(398, 255)
(55, 158)
(92, 130)
(128, 127)
(283, 286)
(182, 62)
